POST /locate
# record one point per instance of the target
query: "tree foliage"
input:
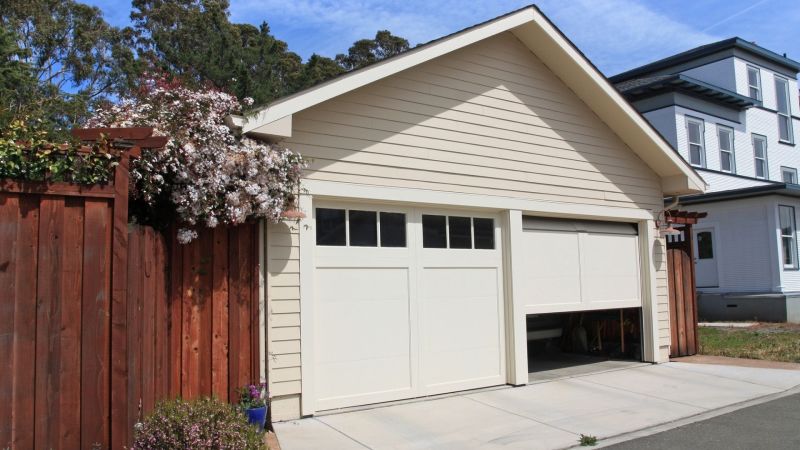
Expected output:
(74, 55)
(196, 40)
(368, 51)
(59, 59)
(17, 83)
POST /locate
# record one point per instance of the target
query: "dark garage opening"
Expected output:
(575, 343)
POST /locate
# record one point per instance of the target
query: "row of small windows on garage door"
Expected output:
(361, 228)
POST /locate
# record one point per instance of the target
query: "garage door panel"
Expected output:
(580, 265)
(460, 327)
(553, 268)
(362, 329)
(398, 322)
(610, 268)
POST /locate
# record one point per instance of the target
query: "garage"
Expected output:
(407, 302)
(583, 295)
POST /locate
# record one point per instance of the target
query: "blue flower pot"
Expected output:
(257, 416)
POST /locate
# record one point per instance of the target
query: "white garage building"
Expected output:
(455, 191)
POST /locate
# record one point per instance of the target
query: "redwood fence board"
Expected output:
(682, 296)
(100, 320)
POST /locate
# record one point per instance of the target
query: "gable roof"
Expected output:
(706, 50)
(544, 40)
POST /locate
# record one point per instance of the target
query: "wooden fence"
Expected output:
(682, 295)
(193, 315)
(99, 320)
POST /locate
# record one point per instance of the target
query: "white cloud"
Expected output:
(621, 34)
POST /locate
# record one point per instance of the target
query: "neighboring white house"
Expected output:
(454, 191)
(732, 110)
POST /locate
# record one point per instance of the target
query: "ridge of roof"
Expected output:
(704, 50)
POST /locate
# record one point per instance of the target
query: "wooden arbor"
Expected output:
(681, 278)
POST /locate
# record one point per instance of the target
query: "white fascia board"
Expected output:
(572, 67)
(354, 80)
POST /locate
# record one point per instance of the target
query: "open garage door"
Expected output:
(580, 265)
(407, 303)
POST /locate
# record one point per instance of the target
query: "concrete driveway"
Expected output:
(546, 415)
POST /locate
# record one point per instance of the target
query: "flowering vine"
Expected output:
(207, 173)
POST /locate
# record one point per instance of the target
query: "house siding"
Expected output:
(746, 244)
(489, 119)
(283, 318)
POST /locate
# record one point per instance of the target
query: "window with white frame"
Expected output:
(697, 146)
(754, 82)
(726, 159)
(789, 175)
(788, 236)
(784, 109)
(760, 155)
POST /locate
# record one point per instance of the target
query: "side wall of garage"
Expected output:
(489, 123)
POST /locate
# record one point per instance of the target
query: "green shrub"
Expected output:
(587, 440)
(198, 424)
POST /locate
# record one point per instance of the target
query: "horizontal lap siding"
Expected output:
(486, 119)
(283, 334)
(662, 295)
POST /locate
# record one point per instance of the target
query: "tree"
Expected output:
(195, 40)
(17, 83)
(316, 70)
(368, 51)
(75, 57)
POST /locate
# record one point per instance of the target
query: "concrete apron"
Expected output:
(548, 415)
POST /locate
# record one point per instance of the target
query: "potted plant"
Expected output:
(253, 400)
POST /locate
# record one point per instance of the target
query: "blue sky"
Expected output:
(615, 34)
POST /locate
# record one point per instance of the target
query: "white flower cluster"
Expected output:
(211, 175)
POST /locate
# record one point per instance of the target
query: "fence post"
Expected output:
(119, 308)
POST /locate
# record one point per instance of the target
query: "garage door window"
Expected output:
(460, 232)
(457, 232)
(393, 229)
(331, 227)
(484, 233)
(363, 228)
(360, 228)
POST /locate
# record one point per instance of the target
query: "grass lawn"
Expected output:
(770, 341)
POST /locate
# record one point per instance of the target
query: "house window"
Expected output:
(784, 110)
(697, 150)
(760, 154)
(726, 160)
(788, 243)
(705, 245)
(754, 82)
(457, 232)
(789, 175)
(359, 228)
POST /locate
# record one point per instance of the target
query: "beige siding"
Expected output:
(283, 332)
(662, 299)
(486, 119)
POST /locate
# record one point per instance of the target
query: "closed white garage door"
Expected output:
(408, 302)
(578, 265)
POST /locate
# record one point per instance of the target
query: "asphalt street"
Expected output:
(771, 425)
